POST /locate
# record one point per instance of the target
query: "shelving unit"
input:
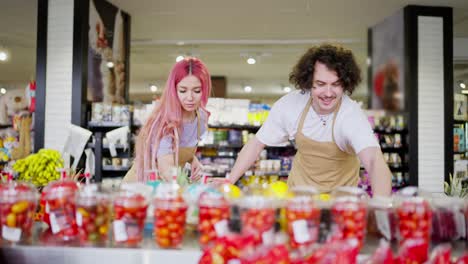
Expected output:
(102, 150)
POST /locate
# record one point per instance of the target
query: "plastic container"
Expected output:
(170, 212)
(414, 215)
(349, 215)
(303, 218)
(130, 206)
(258, 218)
(447, 219)
(60, 209)
(213, 217)
(266, 254)
(381, 221)
(93, 215)
(18, 202)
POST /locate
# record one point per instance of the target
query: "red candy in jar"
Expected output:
(129, 218)
(18, 202)
(414, 219)
(93, 215)
(303, 219)
(266, 254)
(213, 217)
(349, 216)
(170, 211)
(60, 209)
(258, 218)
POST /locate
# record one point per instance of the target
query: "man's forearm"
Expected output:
(381, 177)
(247, 156)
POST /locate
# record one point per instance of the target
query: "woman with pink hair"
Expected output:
(171, 133)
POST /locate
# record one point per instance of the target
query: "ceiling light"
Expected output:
(2, 90)
(153, 88)
(248, 89)
(251, 61)
(462, 85)
(287, 89)
(110, 64)
(180, 43)
(179, 58)
(464, 91)
(3, 56)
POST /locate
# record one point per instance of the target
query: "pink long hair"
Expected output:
(166, 118)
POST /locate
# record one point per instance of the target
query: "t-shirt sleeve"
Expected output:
(273, 132)
(358, 132)
(203, 124)
(165, 146)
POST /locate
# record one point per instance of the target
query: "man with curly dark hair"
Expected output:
(332, 134)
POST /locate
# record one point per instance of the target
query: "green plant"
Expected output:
(455, 187)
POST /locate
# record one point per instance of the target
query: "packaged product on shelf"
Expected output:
(397, 142)
(258, 218)
(414, 215)
(400, 122)
(97, 112)
(93, 215)
(448, 219)
(125, 114)
(349, 215)
(130, 205)
(116, 113)
(382, 218)
(303, 218)
(60, 209)
(107, 112)
(170, 211)
(116, 162)
(213, 217)
(18, 202)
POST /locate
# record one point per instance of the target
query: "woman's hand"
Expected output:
(197, 169)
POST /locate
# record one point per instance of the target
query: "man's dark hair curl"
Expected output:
(336, 58)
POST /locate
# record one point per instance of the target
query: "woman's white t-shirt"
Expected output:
(352, 132)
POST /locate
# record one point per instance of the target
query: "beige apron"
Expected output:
(322, 164)
(185, 155)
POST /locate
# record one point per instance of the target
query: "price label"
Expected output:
(221, 228)
(301, 231)
(11, 234)
(120, 233)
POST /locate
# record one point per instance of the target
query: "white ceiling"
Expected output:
(222, 33)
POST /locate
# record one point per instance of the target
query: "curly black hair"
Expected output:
(336, 58)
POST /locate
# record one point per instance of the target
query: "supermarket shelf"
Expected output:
(390, 131)
(460, 152)
(237, 146)
(115, 168)
(5, 126)
(459, 121)
(149, 253)
(394, 149)
(105, 146)
(240, 127)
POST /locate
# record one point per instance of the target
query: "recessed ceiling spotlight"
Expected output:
(2, 90)
(179, 58)
(153, 88)
(110, 64)
(248, 89)
(251, 61)
(462, 85)
(287, 89)
(3, 56)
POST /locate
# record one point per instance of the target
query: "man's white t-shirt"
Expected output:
(352, 132)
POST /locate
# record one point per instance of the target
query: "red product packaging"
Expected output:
(258, 218)
(213, 217)
(303, 221)
(413, 250)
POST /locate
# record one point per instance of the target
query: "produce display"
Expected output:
(129, 218)
(60, 208)
(18, 202)
(213, 217)
(170, 212)
(39, 168)
(93, 215)
(233, 225)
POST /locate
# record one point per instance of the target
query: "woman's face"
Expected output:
(189, 93)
